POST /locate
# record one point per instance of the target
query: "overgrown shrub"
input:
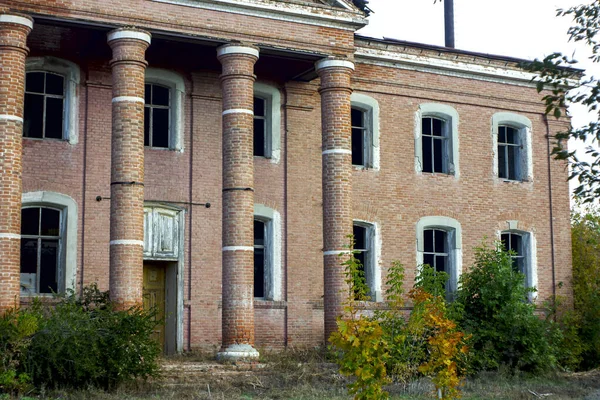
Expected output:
(492, 305)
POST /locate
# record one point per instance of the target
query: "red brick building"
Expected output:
(215, 154)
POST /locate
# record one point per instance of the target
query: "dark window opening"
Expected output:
(436, 249)
(260, 127)
(434, 145)
(508, 153)
(157, 116)
(40, 244)
(43, 115)
(513, 243)
(359, 137)
(260, 252)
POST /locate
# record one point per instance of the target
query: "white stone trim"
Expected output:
(176, 85)
(225, 50)
(272, 96)
(237, 352)
(6, 117)
(128, 99)
(423, 63)
(450, 116)
(16, 19)
(336, 151)
(321, 64)
(70, 216)
(524, 126)
(127, 242)
(238, 248)
(274, 288)
(237, 111)
(336, 252)
(10, 236)
(72, 75)
(127, 34)
(281, 11)
(370, 106)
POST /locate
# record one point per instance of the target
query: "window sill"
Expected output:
(264, 304)
(159, 148)
(46, 139)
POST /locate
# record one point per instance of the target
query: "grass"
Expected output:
(308, 375)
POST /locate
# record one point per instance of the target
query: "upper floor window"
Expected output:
(511, 135)
(365, 131)
(267, 253)
(163, 109)
(50, 109)
(157, 115)
(366, 252)
(267, 122)
(436, 139)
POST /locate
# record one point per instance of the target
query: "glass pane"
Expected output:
(440, 242)
(502, 168)
(438, 155)
(501, 134)
(50, 222)
(360, 237)
(428, 240)
(511, 135)
(259, 137)
(148, 93)
(30, 220)
(259, 107)
(34, 116)
(429, 259)
(146, 126)
(48, 266)
(357, 147)
(427, 156)
(357, 117)
(437, 127)
(259, 273)
(259, 233)
(505, 238)
(440, 263)
(426, 122)
(515, 244)
(54, 118)
(160, 127)
(512, 159)
(34, 82)
(55, 84)
(29, 256)
(521, 265)
(160, 95)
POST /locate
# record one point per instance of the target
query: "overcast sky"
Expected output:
(519, 28)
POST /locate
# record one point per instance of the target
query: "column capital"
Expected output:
(129, 33)
(16, 18)
(333, 62)
(237, 49)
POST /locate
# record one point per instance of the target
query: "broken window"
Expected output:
(41, 241)
(43, 115)
(260, 258)
(261, 128)
(513, 243)
(435, 145)
(509, 153)
(361, 138)
(157, 116)
(364, 247)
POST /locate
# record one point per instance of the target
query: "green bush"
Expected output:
(492, 305)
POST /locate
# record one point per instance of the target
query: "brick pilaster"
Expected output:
(14, 30)
(335, 93)
(237, 82)
(127, 168)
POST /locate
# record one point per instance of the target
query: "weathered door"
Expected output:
(154, 296)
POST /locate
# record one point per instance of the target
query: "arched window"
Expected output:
(511, 141)
(436, 139)
(522, 246)
(365, 131)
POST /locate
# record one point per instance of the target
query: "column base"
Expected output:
(237, 352)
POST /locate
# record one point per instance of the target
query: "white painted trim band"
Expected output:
(125, 34)
(10, 236)
(334, 63)
(237, 111)
(222, 51)
(238, 248)
(7, 117)
(336, 252)
(130, 99)
(15, 19)
(127, 242)
(337, 151)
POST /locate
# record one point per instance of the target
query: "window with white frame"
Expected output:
(365, 248)
(436, 139)
(521, 246)
(48, 243)
(511, 134)
(164, 93)
(267, 253)
(267, 122)
(50, 108)
(439, 245)
(365, 131)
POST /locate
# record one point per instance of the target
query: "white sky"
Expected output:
(518, 28)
